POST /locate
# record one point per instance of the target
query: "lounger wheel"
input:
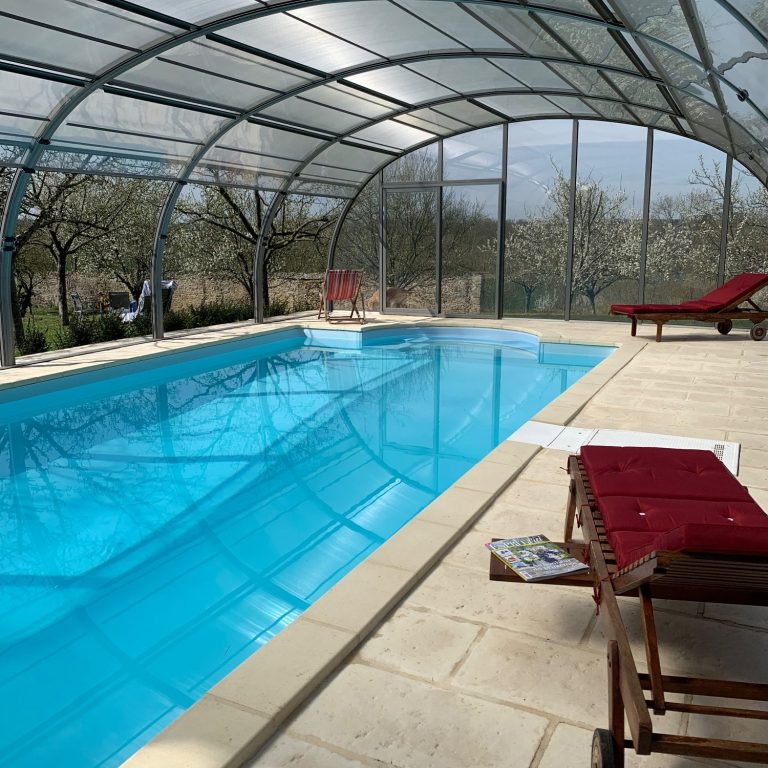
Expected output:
(724, 327)
(757, 332)
(603, 753)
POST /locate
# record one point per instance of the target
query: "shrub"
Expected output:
(277, 307)
(34, 341)
(108, 327)
(177, 320)
(140, 326)
(76, 334)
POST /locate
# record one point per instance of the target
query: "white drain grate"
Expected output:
(572, 438)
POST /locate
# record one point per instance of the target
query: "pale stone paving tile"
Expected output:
(561, 613)
(288, 752)
(535, 494)
(421, 644)
(554, 679)
(506, 521)
(409, 724)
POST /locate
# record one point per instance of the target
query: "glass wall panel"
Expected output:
(411, 248)
(687, 184)
(358, 244)
(747, 225)
(470, 249)
(474, 155)
(84, 252)
(608, 217)
(538, 169)
(420, 165)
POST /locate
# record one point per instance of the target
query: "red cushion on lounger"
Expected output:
(667, 473)
(731, 293)
(623, 513)
(631, 546)
(641, 309)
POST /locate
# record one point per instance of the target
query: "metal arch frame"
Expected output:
(284, 189)
(161, 232)
(193, 32)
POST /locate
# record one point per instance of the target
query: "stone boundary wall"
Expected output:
(297, 292)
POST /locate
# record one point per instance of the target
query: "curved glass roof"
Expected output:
(314, 97)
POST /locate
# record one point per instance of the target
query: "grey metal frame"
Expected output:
(109, 78)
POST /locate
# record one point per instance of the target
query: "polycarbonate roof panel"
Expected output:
(351, 100)
(240, 66)
(53, 47)
(106, 23)
(454, 20)
(273, 58)
(393, 135)
(682, 72)
(589, 81)
(520, 29)
(30, 96)
(402, 84)
(612, 110)
(661, 19)
(309, 114)
(433, 120)
(467, 75)
(591, 42)
(534, 74)
(469, 113)
(107, 112)
(351, 158)
(522, 105)
(573, 106)
(376, 25)
(269, 141)
(638, 90)
(322, 189)
(171, 78)
(198, 10)
(292, 39)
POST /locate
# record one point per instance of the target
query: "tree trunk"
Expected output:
(18, 325)
(61, 277)
(528, 298)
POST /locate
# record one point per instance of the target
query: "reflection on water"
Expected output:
(154, 537)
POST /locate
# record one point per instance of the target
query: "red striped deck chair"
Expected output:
(342, 285)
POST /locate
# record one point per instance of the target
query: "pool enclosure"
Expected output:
(299, 98)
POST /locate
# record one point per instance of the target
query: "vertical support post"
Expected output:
(7, 335)
(439, 257)
(726, 220)
(8, 229)
(571, 220)
(646, 217)
(382, 244)
(156, 278)
(260, 255)
(502, 244)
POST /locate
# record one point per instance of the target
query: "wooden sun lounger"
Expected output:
(671, 576)
(721, 307)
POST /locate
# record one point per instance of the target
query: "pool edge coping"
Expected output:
(230, 723)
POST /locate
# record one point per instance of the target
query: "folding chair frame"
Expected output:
(671, 576)
(324, 304)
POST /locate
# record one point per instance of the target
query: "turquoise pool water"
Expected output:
(161, 520)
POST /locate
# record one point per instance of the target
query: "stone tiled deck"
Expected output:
(465, 672)
(468, 672)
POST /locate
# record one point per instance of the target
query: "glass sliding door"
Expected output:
(410, 249)
(538, 190)
(470, 230)
(608, 224)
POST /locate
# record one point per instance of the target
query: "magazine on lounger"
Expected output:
(535, 558)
